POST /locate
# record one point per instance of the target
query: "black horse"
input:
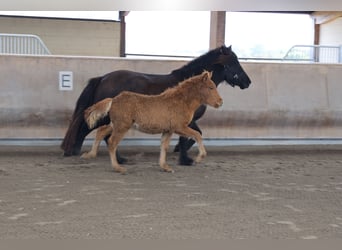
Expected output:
(222, 61)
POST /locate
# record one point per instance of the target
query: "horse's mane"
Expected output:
(200, 63)
(183, 87)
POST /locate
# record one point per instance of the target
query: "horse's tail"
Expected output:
(84, 101)
(97, 111)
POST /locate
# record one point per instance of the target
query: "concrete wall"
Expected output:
(68, 36)
(284, 100)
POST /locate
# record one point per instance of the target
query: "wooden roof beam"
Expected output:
(322, 17)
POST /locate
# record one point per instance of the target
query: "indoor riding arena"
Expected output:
(273, 168)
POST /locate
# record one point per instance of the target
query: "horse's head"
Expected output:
(209, 91)
(234, 74)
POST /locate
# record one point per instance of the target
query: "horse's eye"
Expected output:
(211, 87)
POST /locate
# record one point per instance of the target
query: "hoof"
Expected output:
(120, 170)
(87, 156)
(200, 158)
(67, 154)
(186, 161)
(168, 169)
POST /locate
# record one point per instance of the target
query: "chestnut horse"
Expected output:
(167, 113)
(222, 61)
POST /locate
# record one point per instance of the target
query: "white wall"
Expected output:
(331, 32)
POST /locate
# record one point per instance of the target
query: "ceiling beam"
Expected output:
(322, 17)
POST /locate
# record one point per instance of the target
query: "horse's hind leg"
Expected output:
(101, 133)
(165, 141)
(119, 158)
(113, 142)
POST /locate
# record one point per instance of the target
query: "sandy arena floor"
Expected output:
(238, 192)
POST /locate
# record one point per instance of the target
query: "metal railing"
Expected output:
(22, 44)
(297, 53)
(137, 55)
(314, 53)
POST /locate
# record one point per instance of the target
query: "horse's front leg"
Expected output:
(184, 159)
(198, 114)
(185, 144)
(189, 132)
(190, 141)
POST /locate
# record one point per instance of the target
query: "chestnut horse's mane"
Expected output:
(182, 87)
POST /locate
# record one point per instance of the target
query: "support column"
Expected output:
(217, 29)
(122, 15)
(317, 31)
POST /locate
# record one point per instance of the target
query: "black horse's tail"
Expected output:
(85, 100)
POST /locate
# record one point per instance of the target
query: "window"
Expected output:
(267, 35)
(177, 33)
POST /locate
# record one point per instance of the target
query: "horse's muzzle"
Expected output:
(219, 104)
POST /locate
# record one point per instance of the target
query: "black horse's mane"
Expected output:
(197, 65)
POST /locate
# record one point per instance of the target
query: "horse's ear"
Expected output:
(206, 75)
(227, 50)
(224, 56)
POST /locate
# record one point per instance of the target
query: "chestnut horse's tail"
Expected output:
(84, 101)
(97, 111)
